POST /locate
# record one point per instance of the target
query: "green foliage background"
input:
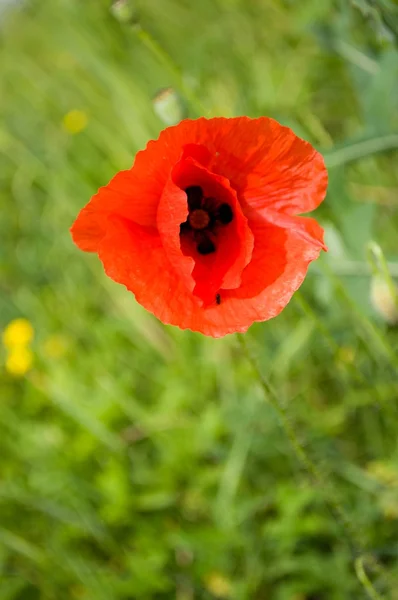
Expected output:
(141, 462)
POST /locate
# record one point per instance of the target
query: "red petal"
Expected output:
(91, 223)
(267, 164)
(272, 232)
(132, 194)
(134, 256)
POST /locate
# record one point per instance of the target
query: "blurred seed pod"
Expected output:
(384, 299)
(123, 10)
(167, 106)
(383, 291)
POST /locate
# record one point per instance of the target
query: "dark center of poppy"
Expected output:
(199, 218)
(204, 217)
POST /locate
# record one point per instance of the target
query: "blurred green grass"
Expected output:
(138, 461)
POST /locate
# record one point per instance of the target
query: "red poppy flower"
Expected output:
(203, 228)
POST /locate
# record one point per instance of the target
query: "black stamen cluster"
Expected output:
(218, 214)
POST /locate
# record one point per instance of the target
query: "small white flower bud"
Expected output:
(384, 300)
(123, 10)
(167, 106)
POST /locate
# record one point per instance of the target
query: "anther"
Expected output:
(184, 227)
(225, 214)
(206, 246)
(194, 196)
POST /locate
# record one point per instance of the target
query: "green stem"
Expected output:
(362, 149)
(349, 369)
(156, 49)
(364, 579)
(353, 540)
(380, 267)
(377, 340)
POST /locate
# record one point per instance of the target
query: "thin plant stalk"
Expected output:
(352, 537)
(162, 56)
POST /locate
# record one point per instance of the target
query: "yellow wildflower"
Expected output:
(55, 346)
(383, 472)
(390, 508)
(218, 585)
(18, 332)
(19, 361)
(75, 121)
(346, 354)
